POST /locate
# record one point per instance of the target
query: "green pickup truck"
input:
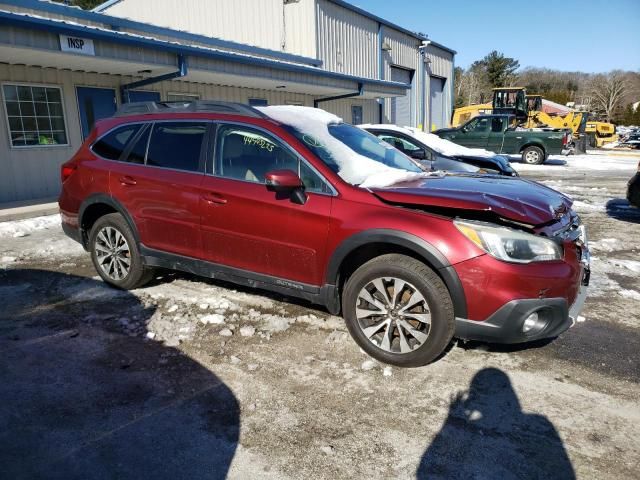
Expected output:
(498, 133)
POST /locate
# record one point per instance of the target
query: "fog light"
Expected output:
(532, 322)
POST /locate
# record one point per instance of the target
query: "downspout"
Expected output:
(317, 101)
(453, 87)
(181, 72)
(423, 74)
(381, 101)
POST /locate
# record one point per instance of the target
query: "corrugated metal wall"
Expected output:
(342, 108)
(267, 24)
(34, 172)
(347, 41)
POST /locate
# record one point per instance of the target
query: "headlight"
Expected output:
(508, 244)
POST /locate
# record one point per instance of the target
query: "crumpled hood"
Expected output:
(510, 197)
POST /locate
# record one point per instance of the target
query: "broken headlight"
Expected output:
(508, 244)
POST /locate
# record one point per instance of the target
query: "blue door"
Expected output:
(142, 96)
(93, 105)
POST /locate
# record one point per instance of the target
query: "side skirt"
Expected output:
(325, 295)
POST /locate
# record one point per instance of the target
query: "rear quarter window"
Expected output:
(114, 143)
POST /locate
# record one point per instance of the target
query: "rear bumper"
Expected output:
(506, 324)
(73, 233)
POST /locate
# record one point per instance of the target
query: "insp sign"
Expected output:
(83, 46)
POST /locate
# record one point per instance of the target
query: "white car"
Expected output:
(439, 154)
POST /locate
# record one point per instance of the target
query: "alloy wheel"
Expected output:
(393, 315)
(532, 156)
(112, 253)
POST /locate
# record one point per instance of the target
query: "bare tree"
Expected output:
(607, 92)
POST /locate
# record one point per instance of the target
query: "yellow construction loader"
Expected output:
(600, 133)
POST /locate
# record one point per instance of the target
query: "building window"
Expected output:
(258, 102)
(182, 97)
(34, 115)
(356, 114)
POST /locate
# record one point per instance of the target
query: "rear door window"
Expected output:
(114, 143)
(176, 145)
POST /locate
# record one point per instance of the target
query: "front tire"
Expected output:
(398, 310)
(115, 254)
(533, 155)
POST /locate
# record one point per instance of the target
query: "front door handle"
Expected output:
(214, 198)
(127, 180)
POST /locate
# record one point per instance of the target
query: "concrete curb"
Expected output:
(21, 210)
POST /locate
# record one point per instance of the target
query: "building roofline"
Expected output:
(117, 22)
(60, 26)
(382, 21)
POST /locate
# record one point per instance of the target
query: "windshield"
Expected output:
(361, 142)
(358, 157)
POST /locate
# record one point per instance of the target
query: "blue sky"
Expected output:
(584, 35)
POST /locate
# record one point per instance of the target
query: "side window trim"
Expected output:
(212, 167)
(132, 143)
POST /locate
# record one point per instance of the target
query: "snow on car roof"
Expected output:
(354, 168)
(440, 145)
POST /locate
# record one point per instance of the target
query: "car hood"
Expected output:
(510, 197)
(444, 130)
(497, 159)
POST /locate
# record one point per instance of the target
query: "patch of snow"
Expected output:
(225, 332)
(590, 207)
(354, 168)
(213, 319)
(387, 371)
(580, 319)
(21, 228)
(630, 294)
(247, 331)
(632, 265)
(368, 365)
(605, 244)
(7, 259)
(234, 360)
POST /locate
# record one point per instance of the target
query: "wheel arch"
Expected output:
(96, 206)
(363, 246)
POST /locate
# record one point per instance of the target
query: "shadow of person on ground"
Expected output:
(86, 395)
(621, 209)
(487, 436)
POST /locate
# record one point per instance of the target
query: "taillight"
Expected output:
(565, 139)
(66, 171)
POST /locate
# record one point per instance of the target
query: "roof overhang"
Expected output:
(206, 65)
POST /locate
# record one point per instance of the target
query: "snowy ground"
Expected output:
(193, 378)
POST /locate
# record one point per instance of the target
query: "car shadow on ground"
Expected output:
(86, 395)
(621, 209)
(487, 435)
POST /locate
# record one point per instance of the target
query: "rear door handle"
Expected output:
(127, 180)
(214, 198)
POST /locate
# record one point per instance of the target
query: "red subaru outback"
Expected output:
(293, 200)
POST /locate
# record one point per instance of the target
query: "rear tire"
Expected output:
(533, 155)
(115, 254)
(409, 319)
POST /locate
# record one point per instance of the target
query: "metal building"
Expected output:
(62, 68)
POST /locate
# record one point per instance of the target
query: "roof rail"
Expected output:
(210, 106)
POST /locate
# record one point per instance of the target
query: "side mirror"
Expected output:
(286, 184)
(418, 154)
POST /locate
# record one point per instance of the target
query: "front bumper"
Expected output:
(553, 315)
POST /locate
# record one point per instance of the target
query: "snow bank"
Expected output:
(354, 168)
(21, 228)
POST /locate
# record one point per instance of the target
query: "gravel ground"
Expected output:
(190, 378)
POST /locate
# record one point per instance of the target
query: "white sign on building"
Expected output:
(83, 46)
